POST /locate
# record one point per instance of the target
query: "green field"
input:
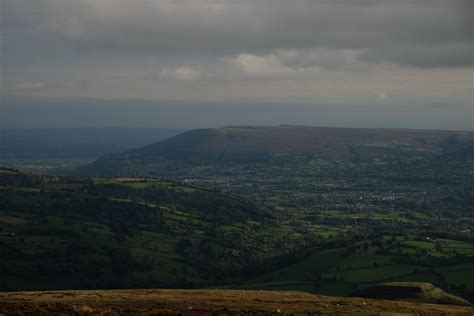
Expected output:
(98, 232)
(339, 272)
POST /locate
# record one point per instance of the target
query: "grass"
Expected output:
(337, 272)
(334, 271)
(372, 274)
(426, 275)
(307, 268)
(207, 302)
(459, 274)
(358, 261)
(411, 291)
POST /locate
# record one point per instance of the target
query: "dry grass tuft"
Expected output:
(208, 302)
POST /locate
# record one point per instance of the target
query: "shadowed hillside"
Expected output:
(410, 291)
(86, 233)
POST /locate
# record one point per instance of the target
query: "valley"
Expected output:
(328, 222)
(218, 157)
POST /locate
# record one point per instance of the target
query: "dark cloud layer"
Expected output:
(398, 57)
(424, 33)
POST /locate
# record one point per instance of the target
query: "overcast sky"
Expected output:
(277, 61)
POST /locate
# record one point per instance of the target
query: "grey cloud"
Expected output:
(322, 58)
(403, 32)
(425, 56)
(386, 53)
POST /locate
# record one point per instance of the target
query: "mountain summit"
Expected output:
(254, 144)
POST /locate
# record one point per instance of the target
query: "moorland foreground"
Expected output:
(208, 302)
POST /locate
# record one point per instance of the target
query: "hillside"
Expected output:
(208, 302)
(241, 145)
(410, 291)
(366, 206)
(65, 232)
(343, 271)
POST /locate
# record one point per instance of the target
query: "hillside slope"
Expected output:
(208, 302)
(65, 232)
(410, 291)
(240, 145)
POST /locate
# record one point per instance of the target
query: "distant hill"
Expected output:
(248, 144)
(411, 291)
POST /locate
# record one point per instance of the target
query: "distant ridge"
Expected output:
(249, 144)
(287, 138)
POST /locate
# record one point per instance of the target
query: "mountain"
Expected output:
(250, 145)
